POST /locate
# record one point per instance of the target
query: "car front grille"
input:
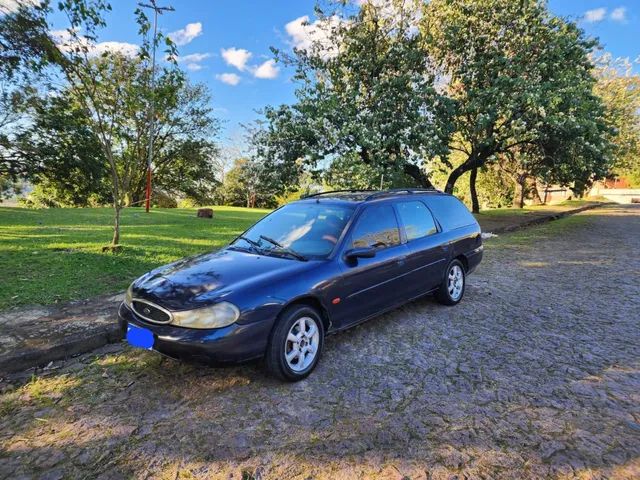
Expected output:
(151, 312)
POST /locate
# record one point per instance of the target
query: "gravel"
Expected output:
(536, 374)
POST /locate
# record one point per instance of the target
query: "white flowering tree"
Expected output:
(367, 93)
(523, 88)
(619, 88)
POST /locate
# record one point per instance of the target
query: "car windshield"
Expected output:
(306, 229)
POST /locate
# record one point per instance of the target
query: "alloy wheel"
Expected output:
(455, 282)
(301, 346)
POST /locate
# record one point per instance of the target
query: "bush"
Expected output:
(189, 202)
(164, 200)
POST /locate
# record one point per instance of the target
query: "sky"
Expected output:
(226, 44)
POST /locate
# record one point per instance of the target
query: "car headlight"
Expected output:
(216, 316)
(128, 297)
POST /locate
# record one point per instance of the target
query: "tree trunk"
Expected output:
(475, 206)
(533, 192)
(115, 189)
(116, 226)
(418, 175)
(455, 174)
(471, 163)
(521, 190)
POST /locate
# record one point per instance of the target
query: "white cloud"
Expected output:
(193, 61)
(619, 14)
(127, 49)
(304, 34)
(10, 6)
(187, 34)
(66, 42)
(236, 57)
(229, 78)
(267, 69)
(595, 15)
(193, 57)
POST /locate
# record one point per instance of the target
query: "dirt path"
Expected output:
(535, 374)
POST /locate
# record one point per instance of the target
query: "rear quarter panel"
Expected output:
(460, 229)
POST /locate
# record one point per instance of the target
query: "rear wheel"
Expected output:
(452, 288)
(296, 344)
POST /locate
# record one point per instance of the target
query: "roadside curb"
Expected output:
(546, 218)
(67, 347)
(35, 336)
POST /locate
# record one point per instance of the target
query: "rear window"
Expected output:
(450, 212)
(416, 220)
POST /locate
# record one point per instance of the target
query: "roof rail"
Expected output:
(409, 191)
(335, 191)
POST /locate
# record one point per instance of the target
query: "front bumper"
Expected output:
(232, 344)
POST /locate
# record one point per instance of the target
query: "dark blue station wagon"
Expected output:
(310, 268)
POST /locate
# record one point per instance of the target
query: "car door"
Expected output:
(370, 285)
(427, 249)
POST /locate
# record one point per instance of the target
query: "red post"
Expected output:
(148, 195)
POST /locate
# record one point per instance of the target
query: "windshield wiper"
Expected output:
(284, 249)
(254, 244)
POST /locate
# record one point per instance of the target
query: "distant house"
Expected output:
(616, 190)
(550, 194)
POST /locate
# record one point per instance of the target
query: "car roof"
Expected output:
(362, 196)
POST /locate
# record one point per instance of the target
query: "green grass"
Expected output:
(53, 255)
(540, 233)
(503, 212)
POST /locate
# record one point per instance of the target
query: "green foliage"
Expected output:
(67, 164)
(250, 184)
(365, 91)
(25, 44)
(495, 187)
(9, 187)
(619, 89)
(87, 140)
(70, 164)
(522, 82)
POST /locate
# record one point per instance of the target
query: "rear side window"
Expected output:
(377, 227)
(416, 219)
(450, 212)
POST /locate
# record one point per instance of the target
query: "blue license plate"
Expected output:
(139, 337)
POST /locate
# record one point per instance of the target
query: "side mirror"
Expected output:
(362, 252)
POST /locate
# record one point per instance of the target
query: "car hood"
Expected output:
(204, 279)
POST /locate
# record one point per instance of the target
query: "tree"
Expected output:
(619, 89)
(250, 184)
(366, 90)
(68, 162)
(25, 50)
(100, 87)
(25, 45)
(65, 160)
(521, 79)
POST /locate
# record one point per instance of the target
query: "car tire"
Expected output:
(292, 353)
(453, 284)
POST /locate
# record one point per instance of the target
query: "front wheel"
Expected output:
(296, 344)
(452, 288)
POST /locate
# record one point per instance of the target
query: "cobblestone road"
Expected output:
(535, 374)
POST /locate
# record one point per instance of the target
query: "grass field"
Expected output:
(53, 255)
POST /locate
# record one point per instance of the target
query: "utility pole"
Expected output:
(152, 117)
